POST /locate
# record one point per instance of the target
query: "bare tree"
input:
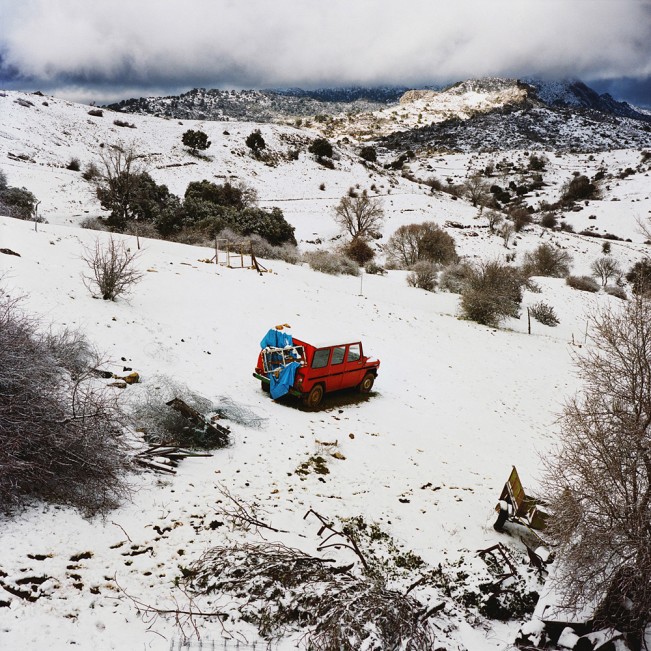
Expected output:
(113, 269)
(412, 243)
(476, 189)
(359, 216)
(605, 268)
(644, 227)
(598, 483)
(118, 181)
(494, 218)
(506, 233)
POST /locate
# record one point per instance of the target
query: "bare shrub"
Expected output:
(360, 217)
(423, 275)
(598, 482)
(547, 260)
(113, 269)
(583, 283)
(616, 291)
(549, 220)
(520, 217)
(374, 269)
(475, 188)
(412, 243)
(544, 313)
(454, 277)
(73, 164)
(61, 435)
(492, 292)
(124, 123)
(606, 268)
(71, 350)
(331, 263)
(92, 224)
(262, 248)
(91, 172)
(359, 251)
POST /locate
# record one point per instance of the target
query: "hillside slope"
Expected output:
(424, 457)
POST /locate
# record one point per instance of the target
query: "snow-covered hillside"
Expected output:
(425, 457)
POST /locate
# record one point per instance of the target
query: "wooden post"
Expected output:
(529, 320)
(216, 252)
(36, 216)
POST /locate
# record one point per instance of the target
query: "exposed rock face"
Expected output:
(414, 95)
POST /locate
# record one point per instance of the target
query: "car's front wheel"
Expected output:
(366, 384)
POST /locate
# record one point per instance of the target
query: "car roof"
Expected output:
(327, 343)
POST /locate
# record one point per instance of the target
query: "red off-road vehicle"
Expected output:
(310, 371)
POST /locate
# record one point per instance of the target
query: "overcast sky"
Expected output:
(105, 50)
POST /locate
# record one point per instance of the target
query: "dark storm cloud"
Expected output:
(77, 48)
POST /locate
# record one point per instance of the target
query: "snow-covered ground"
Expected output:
(455, 404)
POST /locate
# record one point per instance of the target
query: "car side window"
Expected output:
(320, 358)
(354, 353)
(338, 353)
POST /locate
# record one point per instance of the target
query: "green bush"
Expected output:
(369, 154)
(579, 188)
(222, 195)
(255, 142)
(195, 140)
(321, 148)
(270, 224)
(17, 202)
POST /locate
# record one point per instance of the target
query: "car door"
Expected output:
(353, 366)
(336, 368)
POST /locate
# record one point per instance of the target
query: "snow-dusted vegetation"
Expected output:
(358, 524)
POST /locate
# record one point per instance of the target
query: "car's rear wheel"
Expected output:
(314, 398)
(366, 384)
